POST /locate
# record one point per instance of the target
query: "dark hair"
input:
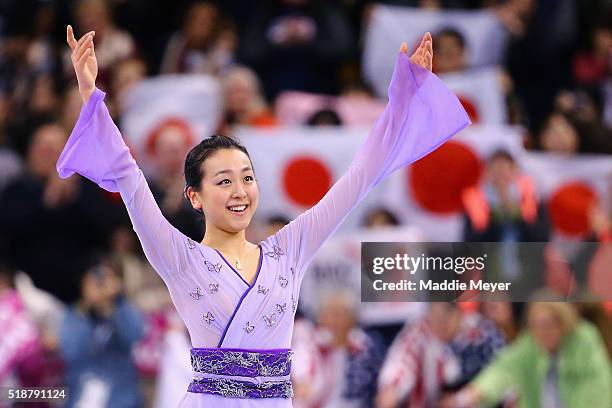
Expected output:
(324, 117)
(194, 170)
(451, 32)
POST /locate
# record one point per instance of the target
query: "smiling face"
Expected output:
(229, 194)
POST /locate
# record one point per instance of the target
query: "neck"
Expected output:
(230, 243)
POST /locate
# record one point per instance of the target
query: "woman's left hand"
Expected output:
(423, 56)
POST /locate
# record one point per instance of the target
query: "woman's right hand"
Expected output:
(84, 62)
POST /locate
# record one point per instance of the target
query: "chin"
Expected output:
(235, 227)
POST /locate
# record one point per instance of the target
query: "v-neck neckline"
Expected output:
(244, 295)
(249, 285)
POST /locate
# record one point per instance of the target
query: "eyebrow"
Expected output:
(245, 168)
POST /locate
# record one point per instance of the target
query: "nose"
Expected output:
(239, 191)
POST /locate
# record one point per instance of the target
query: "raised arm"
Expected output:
(421, 115)
(97, 151)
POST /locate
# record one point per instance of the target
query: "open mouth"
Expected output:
(238, 209)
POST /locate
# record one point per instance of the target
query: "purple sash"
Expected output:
(241, 373)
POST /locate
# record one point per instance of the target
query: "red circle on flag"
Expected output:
(438, 179)
(569, 207)
(306, 180)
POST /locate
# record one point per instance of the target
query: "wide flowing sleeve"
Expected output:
(422, 113)
(96, 150)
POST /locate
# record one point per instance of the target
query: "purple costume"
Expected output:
(241, 333)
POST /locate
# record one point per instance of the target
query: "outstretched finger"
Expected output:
(82, 40)
(404, 48)
(72, 42)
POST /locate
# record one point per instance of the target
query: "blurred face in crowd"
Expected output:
(229, 193)
(444, 320)
(240, 91)
(502, 172)
(44, 150)
(171, 147)
(380, 218)
(126, 75)
(449, 54)
(602, 41)
(93, 15)
(337, 315)
(546, 328)
(200, 24)
(101, 284)
(498, 312)
(71, 107)
(559, 135)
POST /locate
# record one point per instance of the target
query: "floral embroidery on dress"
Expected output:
(281, 308)
(213, 267)
(208, 317)
(293, 304)
(213, 287)
(276, 254)
(270, 321)
(190, 243)
(283, 281)
(196, 294)
(262, 289)
(248, 327)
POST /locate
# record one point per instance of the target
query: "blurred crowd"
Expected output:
(79, 304)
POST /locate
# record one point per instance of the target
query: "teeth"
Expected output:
(238, 208)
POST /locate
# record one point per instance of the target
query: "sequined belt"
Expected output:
(241, 373)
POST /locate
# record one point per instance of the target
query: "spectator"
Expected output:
(449, 49)
(205, 44)
(167, 147)
(559, 135)
(125, 75)
(583, 111)
(559, 362)
(96, 339)
(20, 345)
(345, 359)
(59, 221)
(505, 315)
(446, 348)
(112, 44)
(297, 45)
(505, 208)
(71, 106)
(594, 66)
(380, 217)
(244, 101)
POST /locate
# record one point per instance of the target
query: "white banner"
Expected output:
(337, 267)
(480, 94)
(486, 38)
(192, 100)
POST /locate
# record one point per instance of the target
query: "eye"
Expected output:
(223, 182)
(249, 178)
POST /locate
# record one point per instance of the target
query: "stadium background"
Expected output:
(299, 82)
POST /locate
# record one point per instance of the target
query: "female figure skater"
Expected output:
(238, 299)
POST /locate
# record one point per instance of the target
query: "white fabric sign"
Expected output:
(389, 26)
